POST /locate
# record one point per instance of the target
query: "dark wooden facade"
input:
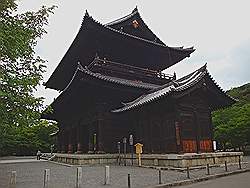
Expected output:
(124, 92)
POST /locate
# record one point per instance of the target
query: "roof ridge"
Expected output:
(119, 20)
(79, 66)
(127, 17)
(87, 16)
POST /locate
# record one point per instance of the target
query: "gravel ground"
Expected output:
(30, 174)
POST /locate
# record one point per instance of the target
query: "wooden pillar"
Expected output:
(146, 135)
(176, 123)
(100, 107)
(90, 144)
(78, 139)
(178, 136)
(70, 149)
(62, 142)
(197, 128)
(100, 136)
(150, 135)
(59, 141)
(211, 134)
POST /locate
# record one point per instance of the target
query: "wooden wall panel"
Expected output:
(206, 146)
(189, 146)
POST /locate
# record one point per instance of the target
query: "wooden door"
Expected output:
(188, 132)
(189, 146)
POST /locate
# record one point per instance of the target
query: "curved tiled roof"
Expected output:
(64, 71)
(179, 85)
(87, 16)
(116, 80)
(145, 32)
(81, 71)
(124, 18)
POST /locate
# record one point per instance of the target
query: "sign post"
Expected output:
(119, 152)
(138, 150)
(124, 148)
(131, 142)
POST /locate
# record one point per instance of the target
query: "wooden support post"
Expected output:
(100, 136)
(138, 151)
(78, 137)
(79, 177)
(46, 178)
(58, 141)
(139, 159)
(70, 149)
(13, 179)
(90, 144)
(107, 176)
(79, 150)
(62, 141)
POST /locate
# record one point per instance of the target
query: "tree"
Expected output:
(20, 70)
(232, 125)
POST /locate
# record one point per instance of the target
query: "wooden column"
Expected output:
(150, 135)
(91, 133)
(100, 125)
(178, 136)
(211, 134)
(100, 108)
(62, 141)
(197, 128)
(59, 142)
(146, 135)
(78, 139)
(61, 148)
(70, 149)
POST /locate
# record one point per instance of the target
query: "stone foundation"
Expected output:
(171, 160)
(86, 159)
(191, 159)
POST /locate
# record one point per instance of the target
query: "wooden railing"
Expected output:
(128, 69)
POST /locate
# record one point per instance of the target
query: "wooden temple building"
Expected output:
(112, 85)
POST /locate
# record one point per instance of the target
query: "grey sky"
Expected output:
(219, 31)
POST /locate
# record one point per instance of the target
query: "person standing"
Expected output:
(38, 155)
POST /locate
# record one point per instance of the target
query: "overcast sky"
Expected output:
(219, 31)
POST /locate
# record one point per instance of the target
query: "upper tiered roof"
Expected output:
(134, 25)
(134, 44)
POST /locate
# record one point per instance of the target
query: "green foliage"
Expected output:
(20, 73)
(232, 125)
(26, 140)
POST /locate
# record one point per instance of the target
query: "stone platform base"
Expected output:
(171, 160)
